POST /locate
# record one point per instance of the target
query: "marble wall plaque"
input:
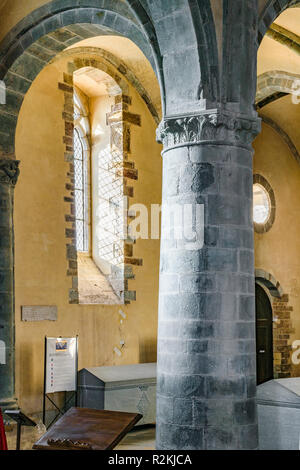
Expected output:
(39, 313)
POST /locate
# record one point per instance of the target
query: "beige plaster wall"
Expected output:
(278, 251)
(14, 11)
(41, 263)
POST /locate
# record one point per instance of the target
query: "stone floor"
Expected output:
(137, 439)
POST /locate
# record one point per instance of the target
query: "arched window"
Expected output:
(80, 184)
(81, 174)
(100, 215)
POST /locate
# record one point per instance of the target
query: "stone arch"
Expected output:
(97, 16)
(269, 281)
(50, 29)
(276, 83)
(238, 74)
(47, 31)
(114, 67)
(269, 14)
(27, 66)
(142, 14)
(206, 36)
(185, 29)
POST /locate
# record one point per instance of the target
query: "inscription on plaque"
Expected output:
(39, 313)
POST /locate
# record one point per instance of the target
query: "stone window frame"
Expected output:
(129, 171)
(266, 226)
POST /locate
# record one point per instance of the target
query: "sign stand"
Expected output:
(59, 360)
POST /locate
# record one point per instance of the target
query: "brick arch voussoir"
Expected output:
(269, 281)
(276, 81)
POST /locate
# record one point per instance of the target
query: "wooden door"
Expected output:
(264, 336)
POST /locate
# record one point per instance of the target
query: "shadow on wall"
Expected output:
(147, 351)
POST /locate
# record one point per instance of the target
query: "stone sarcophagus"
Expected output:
(129, 388)
(279, 414)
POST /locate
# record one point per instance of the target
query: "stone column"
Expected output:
(206, 348)
(9, 172)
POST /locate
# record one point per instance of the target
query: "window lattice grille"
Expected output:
(111, 233)
(81, 213)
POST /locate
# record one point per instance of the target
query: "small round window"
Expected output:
(264, 206)
(261, 204)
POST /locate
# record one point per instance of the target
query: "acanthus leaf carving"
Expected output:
(208, 127)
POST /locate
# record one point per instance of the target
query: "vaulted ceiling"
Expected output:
(278, 67)
(280, 48)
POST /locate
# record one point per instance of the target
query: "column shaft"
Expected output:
(8, 177)
(206, 347)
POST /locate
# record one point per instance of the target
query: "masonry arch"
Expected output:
(269, 282)
(274, 84)
(57, 25)
(109, 63)
(271, 11)
(22, 73)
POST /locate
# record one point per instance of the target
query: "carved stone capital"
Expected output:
(9, 171)
(211, 127)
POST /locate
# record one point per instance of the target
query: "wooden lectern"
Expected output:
(87, 429)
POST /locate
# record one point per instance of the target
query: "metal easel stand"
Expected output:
(61, 411)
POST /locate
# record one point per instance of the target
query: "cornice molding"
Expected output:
(9, 171)
(210, 127)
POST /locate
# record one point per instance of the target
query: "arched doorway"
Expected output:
(264, 336)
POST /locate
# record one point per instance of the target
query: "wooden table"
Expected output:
(87, 429)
